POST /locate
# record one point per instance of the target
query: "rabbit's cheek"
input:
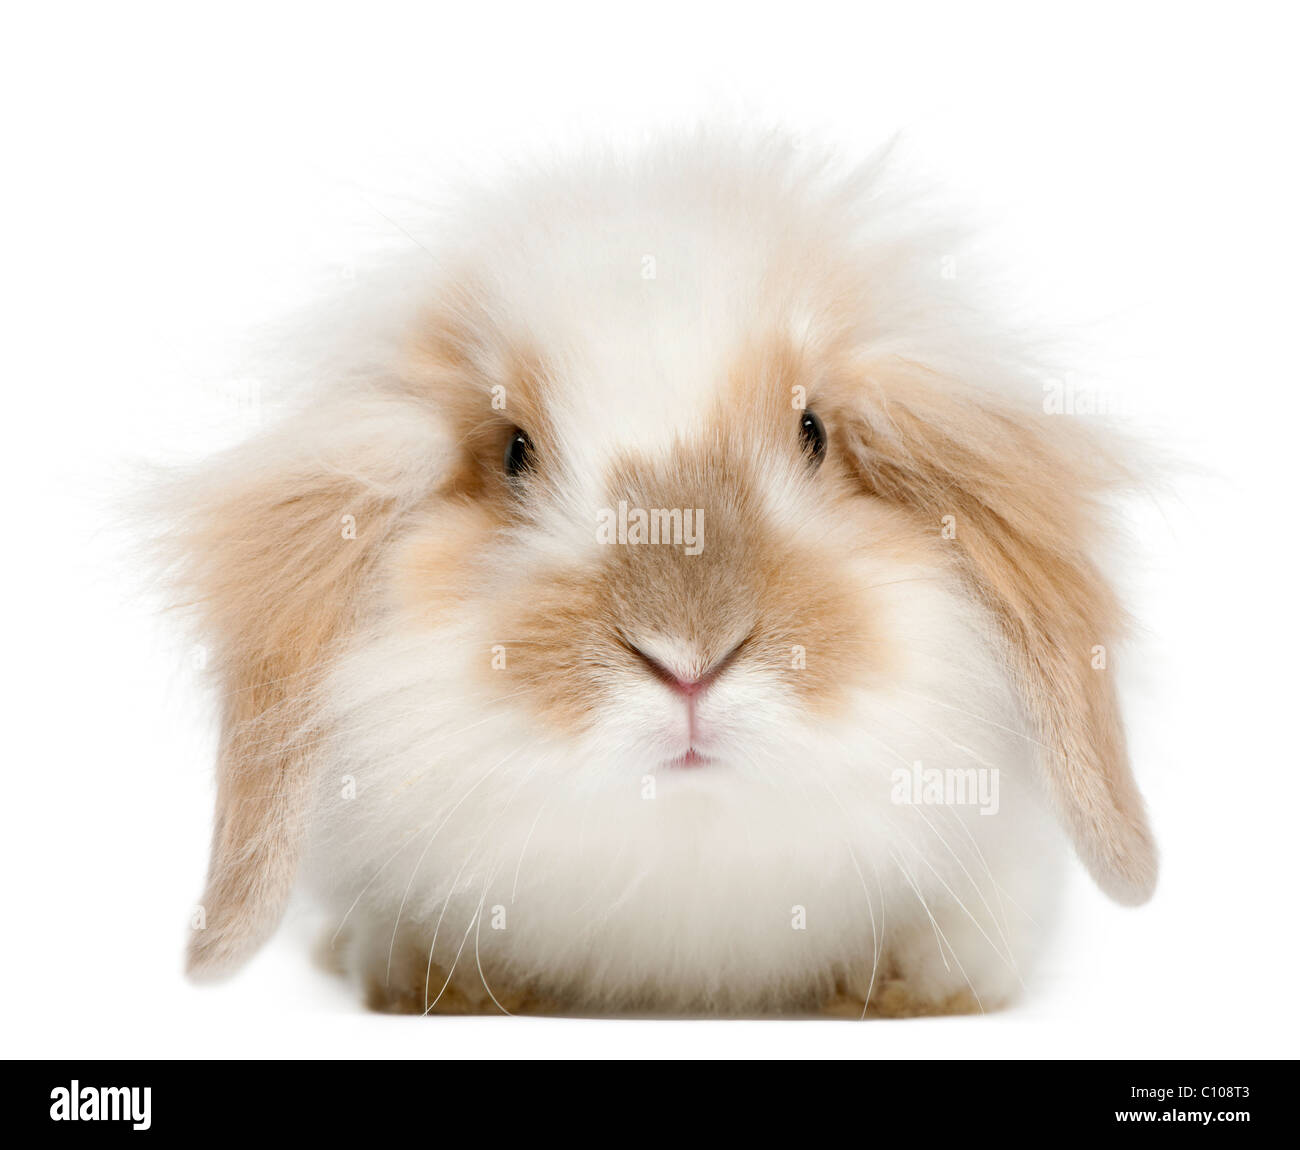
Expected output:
(442, 564)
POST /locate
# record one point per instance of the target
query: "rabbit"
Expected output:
(675, 600)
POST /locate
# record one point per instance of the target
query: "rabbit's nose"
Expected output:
(681, 680)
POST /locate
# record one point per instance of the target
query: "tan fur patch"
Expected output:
(407, 982)
(276, 571)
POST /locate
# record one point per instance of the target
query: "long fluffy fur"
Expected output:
(430, 708)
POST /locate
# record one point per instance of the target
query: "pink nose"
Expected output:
(685, 688)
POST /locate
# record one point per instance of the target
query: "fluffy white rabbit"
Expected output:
(695, 612)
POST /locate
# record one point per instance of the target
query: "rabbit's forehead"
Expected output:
(661, 374)
(637, 321)
(643, 387)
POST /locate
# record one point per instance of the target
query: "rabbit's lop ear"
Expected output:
(1018, 494)
(274, 546)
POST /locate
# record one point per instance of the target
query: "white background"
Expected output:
(171, 175)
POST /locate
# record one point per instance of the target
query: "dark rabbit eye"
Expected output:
(519, 454)
(813, 435)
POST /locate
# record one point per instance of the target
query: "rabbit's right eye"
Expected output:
(519, 454)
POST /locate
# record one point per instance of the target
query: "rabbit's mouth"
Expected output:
(692, 758)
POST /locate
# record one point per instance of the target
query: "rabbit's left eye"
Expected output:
(519, 454)
(813, 435)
